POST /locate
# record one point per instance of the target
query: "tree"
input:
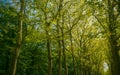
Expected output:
(113, 38)
(7, 35)
(110, 27)
(62, 37)
(19, 39)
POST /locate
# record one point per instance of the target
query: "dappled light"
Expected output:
(59, 37)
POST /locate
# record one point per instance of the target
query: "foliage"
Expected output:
(78, 29)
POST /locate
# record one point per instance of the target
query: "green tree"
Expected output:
(19, 39)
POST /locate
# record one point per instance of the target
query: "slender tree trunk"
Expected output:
(19, 40)
(73, 57)
(49, 49)
(49, 58)
(60, 59)
(114, 49)
(60, 51)
(64, 53)
(59, 39)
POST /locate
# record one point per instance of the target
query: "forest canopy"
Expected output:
(59, 37)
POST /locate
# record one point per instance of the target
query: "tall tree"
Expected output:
(19, 39)
(59, 37)
(111, 14)
(113, 38)
(63, 46)
(73, 55)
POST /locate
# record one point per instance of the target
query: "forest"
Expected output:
(59, 37)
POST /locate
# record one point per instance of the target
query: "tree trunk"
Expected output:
(49, 50)
(114, 49)
(73, 57)
(115, 60)
(19, 40)
(60, 51)
(59, 38)
(49, 58)
(64, 53)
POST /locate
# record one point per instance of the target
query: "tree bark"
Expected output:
(19, 40)
(49, 49)
(59, 38)
(64, 53)
(73, 57)
(49, 58)
(60, 50)
(114, 49)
